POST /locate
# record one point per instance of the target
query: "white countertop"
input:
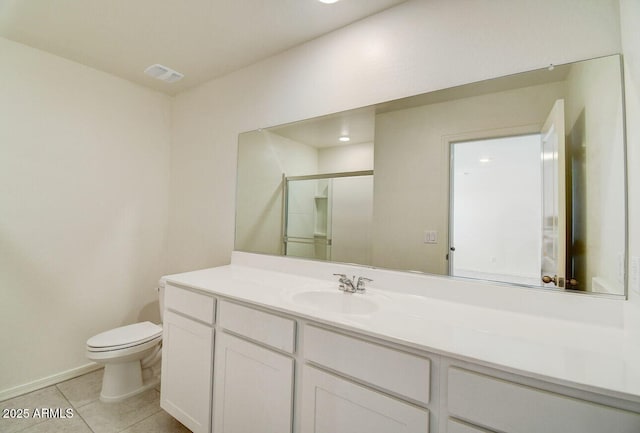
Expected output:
(603, 359)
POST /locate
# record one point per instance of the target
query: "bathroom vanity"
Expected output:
(270, 344)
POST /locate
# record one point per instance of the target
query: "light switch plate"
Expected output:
(430, 237)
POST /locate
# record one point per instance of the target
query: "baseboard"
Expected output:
(48, 381)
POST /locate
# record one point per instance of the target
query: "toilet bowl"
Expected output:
(130, 355)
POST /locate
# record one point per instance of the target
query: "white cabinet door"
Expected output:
(187, 352)
(253, 388)
(334, 405)
(506, 406)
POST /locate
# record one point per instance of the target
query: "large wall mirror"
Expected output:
(519, 179)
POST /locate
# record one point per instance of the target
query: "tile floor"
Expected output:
(138, 414)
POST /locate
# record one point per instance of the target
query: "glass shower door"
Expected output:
(307, 225)
(329, 216)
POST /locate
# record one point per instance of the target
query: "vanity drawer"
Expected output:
(399, 372)
(269, 329)
(193, 304)
(506, 406)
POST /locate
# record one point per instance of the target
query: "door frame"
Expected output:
(483, 134)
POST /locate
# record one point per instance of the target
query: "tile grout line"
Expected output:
(75, 409)
(146, 418)
(66, 402)
(58, 392)
(22, 395)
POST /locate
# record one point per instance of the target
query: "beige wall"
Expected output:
(353, 157)
(84, 173)
(352, 219)
(416, 47)
(265, 158)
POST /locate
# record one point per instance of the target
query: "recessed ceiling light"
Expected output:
(485, 160)
(328, 1)
(344, 138)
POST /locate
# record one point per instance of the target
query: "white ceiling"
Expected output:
(202, 39)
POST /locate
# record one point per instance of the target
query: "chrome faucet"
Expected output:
(361, 282)
(350, 285)
(346, 285)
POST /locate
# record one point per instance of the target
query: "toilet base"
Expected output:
(123, 380)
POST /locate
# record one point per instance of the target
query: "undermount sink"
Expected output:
(337, 302)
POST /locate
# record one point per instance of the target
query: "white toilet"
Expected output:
(130, 355)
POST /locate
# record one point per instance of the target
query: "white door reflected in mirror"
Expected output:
(496, 209)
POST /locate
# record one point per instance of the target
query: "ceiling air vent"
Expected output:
(163, 73)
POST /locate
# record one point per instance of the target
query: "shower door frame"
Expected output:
(285, 192)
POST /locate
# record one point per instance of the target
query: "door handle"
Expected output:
(547, 279)
(558, 281)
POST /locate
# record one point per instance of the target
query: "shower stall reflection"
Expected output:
(329, 216)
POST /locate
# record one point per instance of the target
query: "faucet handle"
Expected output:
(342, 279)
(361, 282)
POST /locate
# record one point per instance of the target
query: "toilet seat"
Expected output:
(125, 337)
(130, 355)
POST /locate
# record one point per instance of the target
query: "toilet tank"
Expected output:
(161, 285)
